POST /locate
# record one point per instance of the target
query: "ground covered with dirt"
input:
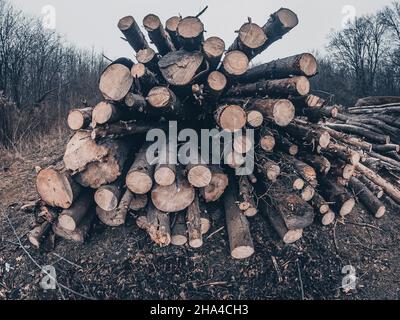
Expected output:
(123, 263)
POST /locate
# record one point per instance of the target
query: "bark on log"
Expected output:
(179, 68)
(80, 234)
(56, 188)
(231, 118)
(107, 197)
(138, 202)
(303, 64)
(38, 235)
(116, 80)
(132, 33)
(377, 100)
(328, 218)
(176, 197)
(235, 64)
(375, 189)
(255, 119)
(179, 231)
(70, 219)
(352, 141)
(319, 203)
(140, 176)
(171, 26)
(286, 145)
(365, 133)
(149, 58)
(217, 186)
(271, 170)
(216, 84)
(308, 134)
(194, 224)
(159, 227)
(240, 240)
(157, 34)
(307, 194)
(321, 164)
(343, 203)
(123, 129)
(282, 88)
(80, 118)
(145, 80)
(307, 172)
(106, 112)
(246, 197)
(367, 198)
(213, 49)
(267, 141)
(191, 33)
(141, 220)
(345, 153)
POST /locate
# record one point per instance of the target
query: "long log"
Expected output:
(123, 129)
(157, 34)
(213, 49)
(313, 136)
(368, 134)
(217, 186)
(377, 100)
(375, 189)
(132, 33)
(171, 26)
(191, 33)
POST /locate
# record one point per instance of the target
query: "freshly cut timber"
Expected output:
(180, 67)
(191, 33)
(70, 218)
(165, 172)
(39, 234)
(303, 64)
(242, 144)
(174, 198)
(235, 64)
(216, 83)
(240, 240)
(159, 226)
(107, 197)
(140, 176)
(80, 234)
(80, 118)
(57, 188)
(138, 202)
(116, 80)
(377, 101)
(171, 26)
(217, 186)
(179, 231)
(319, 203)
(199, 174)
(106, 112)
(246, 197)
(342, 202)
(135, 102)
(213, 49)
(149, 58)
(280, 111)
(144, 78)
(122, 129)
(267, 141)
(231, 118)
(255, 119)
(116, 217)
(132, 33)
(157, 34)
(194, 224)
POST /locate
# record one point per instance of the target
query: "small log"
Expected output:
(205, 217)
(159, 227)
(164, 99)
(280, 111)
(149, 58)
(345, 153)
(307, 193)
(171, 26)
(140, 176)
(217, 186)
(367, 198)
(231, 118)
(365, 133)
(242, 144)
(286, 145)
(250, 40)
(327, 218)
(199, 175)
(255, 119)
(282, 88)
(179, 231)
(116, 80)
(191, 33)
(321, 164)
(351, 141)
(157, 34)
(132, 33)
(343, 203)
(319, 203)
(79, 118)
(307, 172)
(57, 188)
(80, 234)
(246, 197)
(271, 169)
(138, 202)
(174, 198)
(70, 218)
(135, 102)
(144, 78)
(193, 218)
(106, 112)
(38, 235)
(343, 170)
(165, 173)
(213, 49)
(107, 197)
(267, 142)
(385, 147)
(122, 129)
(240, 240)
(375, 189)
(294, 181)
(303, 64)
(235, 64)
(308, 134)
(141, 220)
(216, 83)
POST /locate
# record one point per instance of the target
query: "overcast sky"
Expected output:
(93, 23)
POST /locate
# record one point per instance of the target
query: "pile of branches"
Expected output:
(306, 168)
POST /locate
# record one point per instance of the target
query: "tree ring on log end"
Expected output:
(75, 120)
(139, 182)
(284, 112)
(190, 27)
(308, 64)
(242, 252)
(252, 35)
(151, 22)
(235, 63)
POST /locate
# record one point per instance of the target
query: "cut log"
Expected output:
(352, 141)
(116, 80)
(343, 170)
(321, 164)
(123, 129)
(240, 240)
(135, 102)
(213, 49)
(199, 175)
(106, 112)
(307, 172)
(38, 235)
(194, 224)
(255, 119)
(296, 86)
(217, 186)
(303, 64)
(307, 193)
(286, 145)
(174, 198)
(277, 222)
(171, 26)
(250, 40)
(308, 134)
(144, 78)
(328, 218)
(242, 144)
(246, 197)
(235, 64)
(149, 58)
(271, 170)
(377, 100)
(70, 218)
(80, 118)
(138, 202)
(280, 111)
(205, 217)
(57, 188)
(157, 34)
(231, 118)
(164, 99)
(180, 67)
(165, 172)
(294, 181)
(319, 203)
(216, 83)
(140, 176)
(234, 160)
(345, 153)
(159, 227)
(342, 202)
(80, 234)
(191, 33)
(366, 133)
(132, 33)
(375, 189)
(267, 142)
(367, 198)
(107, 197)
(179, 231)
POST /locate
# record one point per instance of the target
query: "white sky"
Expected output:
(91, 23)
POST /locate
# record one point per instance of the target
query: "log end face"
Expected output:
(251, 212)
(115, 82)
(103, 112)
(106, 199)
(200, 176)
(293, 150)
(293, 236)
(190, 27)
(151, 22)
(145, 55)
(233, 118)
(252, 35)
(298, 184)
(217, 81)
(328, 218)
(178, 240)
(67, 223)
(325, 140)
(139, 182)
(308, 65)
(125, 23)
(235, 63)
(347, 207)
(196, 243)
(242, 252)
(308, 193)
(283, 113)
(138, 70)
(287, 18)
(380, 212)
(75, 120)
(255, 119)
(172, 23)
(268, 143)
(159, 97)
(164, 177)
(303, 86)
(214, 47)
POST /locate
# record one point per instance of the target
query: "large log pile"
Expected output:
(313, 160)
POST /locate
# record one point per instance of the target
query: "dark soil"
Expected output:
(123, 263)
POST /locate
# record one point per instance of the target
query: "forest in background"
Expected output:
(42, 77)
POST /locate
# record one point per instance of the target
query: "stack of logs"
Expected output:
(307, 166)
